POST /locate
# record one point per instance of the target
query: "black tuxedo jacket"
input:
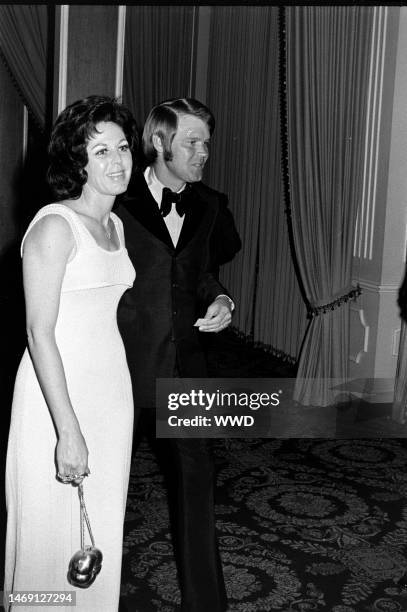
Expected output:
(173, 286)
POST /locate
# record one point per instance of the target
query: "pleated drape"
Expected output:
(279, 311)
(23, 45)
(400, 386)
(157, 59)
(245, 163)
(328, 55)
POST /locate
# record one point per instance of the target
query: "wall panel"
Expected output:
(11, 212)
(242, 91)
(92, 41)
(11, 157)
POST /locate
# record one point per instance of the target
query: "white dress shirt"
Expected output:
(173, 221)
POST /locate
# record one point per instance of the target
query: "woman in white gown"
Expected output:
(72, 408)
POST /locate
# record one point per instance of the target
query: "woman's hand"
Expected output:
(72, 457)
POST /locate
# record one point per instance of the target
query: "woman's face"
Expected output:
(109, 160)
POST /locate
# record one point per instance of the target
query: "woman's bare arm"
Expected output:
(47, 249)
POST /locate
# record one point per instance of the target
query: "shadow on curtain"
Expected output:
(328, 59)
(243, 71)
(400, 386)
(157, 61)
(242, 91)
(23, 46)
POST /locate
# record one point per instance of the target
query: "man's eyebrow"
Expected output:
(192, 134)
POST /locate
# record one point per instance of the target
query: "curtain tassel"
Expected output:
(315, 311)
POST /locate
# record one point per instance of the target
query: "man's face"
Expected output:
(189, 151)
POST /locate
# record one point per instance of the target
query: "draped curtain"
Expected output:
(328, 53)
(157, 60)
(400, 387)
(245, 163)
(23, 47)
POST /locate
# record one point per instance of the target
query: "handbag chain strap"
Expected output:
(84, 518)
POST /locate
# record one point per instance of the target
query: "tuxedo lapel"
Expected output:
(193, 218)
(141, 205)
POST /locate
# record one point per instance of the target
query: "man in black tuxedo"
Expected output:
(178, 231)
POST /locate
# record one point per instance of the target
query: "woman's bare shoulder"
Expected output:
(51, 229)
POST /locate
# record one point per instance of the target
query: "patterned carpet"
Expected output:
(304, 524)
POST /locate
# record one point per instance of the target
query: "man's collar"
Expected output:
(156, 186)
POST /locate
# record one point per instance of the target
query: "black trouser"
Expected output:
(187, 464)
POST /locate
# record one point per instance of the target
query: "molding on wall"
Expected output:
(365, 222)
(396, 342)
(63, 57)
(121, 31)
(366, 329)
(376, 288)
(380, 55)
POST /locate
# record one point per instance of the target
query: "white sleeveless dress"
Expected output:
(43, 526)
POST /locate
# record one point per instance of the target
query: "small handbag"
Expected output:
(86, 563)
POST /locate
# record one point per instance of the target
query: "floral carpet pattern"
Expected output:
(303, 524)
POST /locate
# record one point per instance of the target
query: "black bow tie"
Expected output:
(180, 200)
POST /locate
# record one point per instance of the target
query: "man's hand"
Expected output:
(217, 317)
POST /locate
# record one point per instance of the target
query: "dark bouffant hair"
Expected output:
(163, 121)
(70, 136)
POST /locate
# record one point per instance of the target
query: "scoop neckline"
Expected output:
(121, 245)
